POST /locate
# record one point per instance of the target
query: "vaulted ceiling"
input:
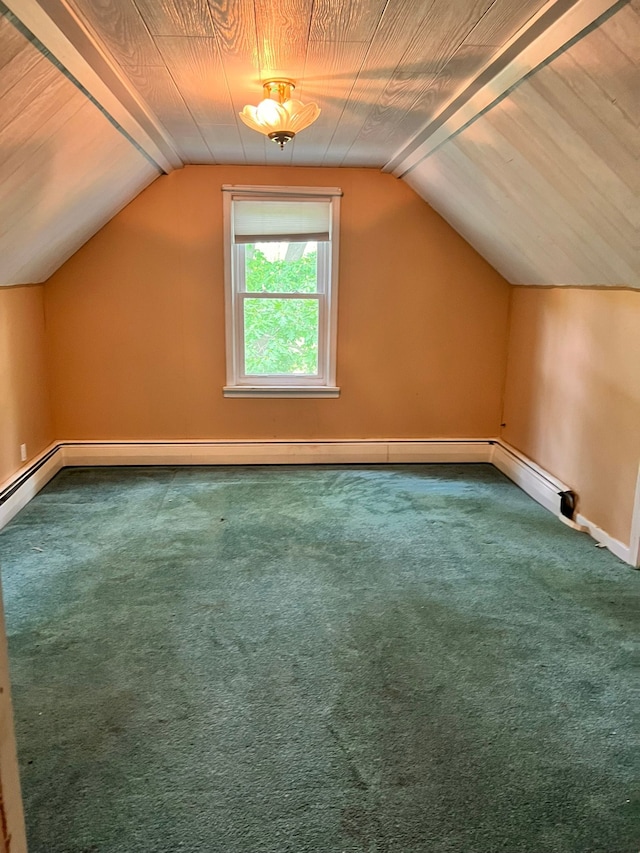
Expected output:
(516, 119)
(546, 184)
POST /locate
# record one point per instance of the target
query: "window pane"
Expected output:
(281, 267)
(281, 336)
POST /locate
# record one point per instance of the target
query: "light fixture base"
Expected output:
(278, 89)
(281, 137)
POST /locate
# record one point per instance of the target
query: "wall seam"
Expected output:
(505, 374)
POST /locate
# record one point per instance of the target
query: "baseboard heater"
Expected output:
(551, 493)
(27, 474)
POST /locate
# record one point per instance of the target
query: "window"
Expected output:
(281, 267)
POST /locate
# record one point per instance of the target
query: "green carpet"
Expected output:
(318, 660)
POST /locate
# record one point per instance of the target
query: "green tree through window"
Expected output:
(280, 276)
(281, 335)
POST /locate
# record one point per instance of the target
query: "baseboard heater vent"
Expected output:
(26, 475)
(568, 504)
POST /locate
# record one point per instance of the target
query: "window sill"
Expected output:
(280, 391)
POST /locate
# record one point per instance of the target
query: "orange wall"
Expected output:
(135, 321)
(25, 416)
(572, 400)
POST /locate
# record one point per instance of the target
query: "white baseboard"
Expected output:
(27, 482)
(614, 545)
(535, 481)
(275, 452)
(546, 490)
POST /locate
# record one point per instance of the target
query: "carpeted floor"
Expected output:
(318, 660)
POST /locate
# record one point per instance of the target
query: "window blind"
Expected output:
(263, 221)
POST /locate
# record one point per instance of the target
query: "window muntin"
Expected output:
(281, 290)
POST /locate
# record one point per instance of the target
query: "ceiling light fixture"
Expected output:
(279, 116)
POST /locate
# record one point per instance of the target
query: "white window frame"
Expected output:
(240, 384)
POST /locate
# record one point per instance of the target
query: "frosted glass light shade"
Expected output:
(277, 116)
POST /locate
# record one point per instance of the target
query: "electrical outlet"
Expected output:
(23, 452)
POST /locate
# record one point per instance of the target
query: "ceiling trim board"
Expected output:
(557, 24)
(57, 28)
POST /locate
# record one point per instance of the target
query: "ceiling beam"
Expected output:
(56, 27)
(557, 24)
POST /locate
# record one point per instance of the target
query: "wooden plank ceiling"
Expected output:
(546, 184)
(516, 119)
(378, 69)
(64, 168)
